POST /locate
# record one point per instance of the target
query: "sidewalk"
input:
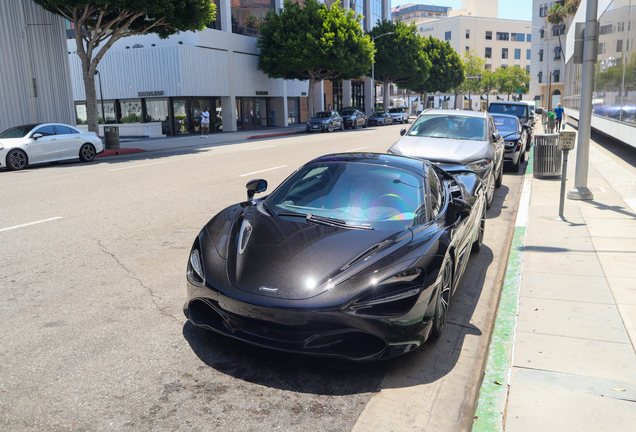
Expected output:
(135, 144)
(562, 357)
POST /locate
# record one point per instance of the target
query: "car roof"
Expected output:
(417, 166)
(477, 114)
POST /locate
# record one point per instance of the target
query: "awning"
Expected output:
(558, 27)
(557, 49)
(540, 52)
(484, 97)
(540, 74)
(465, 97)
(537, 97)
(556, 72)
(500, 98)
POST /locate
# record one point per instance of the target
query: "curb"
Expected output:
(120, 152)
(274, 135)
(493, 393)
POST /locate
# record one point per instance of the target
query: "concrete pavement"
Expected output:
(562, 356)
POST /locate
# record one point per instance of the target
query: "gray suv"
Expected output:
(399, 114)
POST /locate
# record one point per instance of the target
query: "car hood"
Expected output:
(12, 142)
(442, 149)
(298, 260)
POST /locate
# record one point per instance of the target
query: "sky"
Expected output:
(508, 9)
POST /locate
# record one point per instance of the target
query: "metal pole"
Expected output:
(564, 174)
(101, 95)
(580, 189)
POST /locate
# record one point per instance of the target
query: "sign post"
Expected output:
(566, 143)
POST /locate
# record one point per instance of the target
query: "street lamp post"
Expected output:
(373, 38)
(101, 95)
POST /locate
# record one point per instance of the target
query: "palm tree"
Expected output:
(571, 6)
(557, 15)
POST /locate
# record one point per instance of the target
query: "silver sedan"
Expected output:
(457, 137)
(46, 142)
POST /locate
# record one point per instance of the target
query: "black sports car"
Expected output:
(354, 255)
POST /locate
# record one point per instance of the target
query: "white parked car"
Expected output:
(399, 114)
(46, 142)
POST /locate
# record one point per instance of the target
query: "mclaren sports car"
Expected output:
(354, 255)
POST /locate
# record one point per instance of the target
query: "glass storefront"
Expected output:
(187, 115)
(357, 95)
(337, 96)
(614, 95)
(254, 113)
(293, 106)
(249, 15)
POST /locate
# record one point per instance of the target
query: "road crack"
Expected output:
(154, 297)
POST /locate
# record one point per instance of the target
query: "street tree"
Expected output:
(509, 80)
(474, 67)
(557, 15)
(99, 24)
(400, 58)
(488, 82)
(446, 71)
(314, 43)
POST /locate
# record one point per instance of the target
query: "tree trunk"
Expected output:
(470, 102)
(456, 94)
(88, 73)
(385, 99)
(310, 98)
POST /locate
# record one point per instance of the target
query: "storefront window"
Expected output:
(293, 105)
(130, 111)
(109, 107)
(249, 15)
(80, 114)
(337, 96)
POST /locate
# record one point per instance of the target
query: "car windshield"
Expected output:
(358, 193)
(515, 110)
(505, 124)
(17, 132)
(449, 126)
(378, 114)
(347, 112)
(322, 115)
(395, 110)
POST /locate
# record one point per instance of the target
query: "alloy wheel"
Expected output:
(443, 299)
(16, 160)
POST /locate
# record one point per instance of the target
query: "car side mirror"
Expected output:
(402, 131)
(254, 187)
(496, 136)
(36, 136)
(462, 207)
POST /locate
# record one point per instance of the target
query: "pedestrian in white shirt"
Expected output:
(205, 123)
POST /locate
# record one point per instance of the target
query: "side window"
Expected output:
(46, 130)
(437, 196)
(63, 130)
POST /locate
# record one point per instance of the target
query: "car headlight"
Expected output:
(393, 296)
(511, 144)
(195, 273)
(326, 121)
(479, 165)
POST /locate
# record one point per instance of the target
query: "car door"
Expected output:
(69, 141)
(497, 146)
(44, 149)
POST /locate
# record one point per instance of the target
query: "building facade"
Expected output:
(34, 76)
(168, 82)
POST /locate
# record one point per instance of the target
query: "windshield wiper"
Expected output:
(324, 220)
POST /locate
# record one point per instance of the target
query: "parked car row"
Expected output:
(328, 121)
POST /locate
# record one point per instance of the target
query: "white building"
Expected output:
(34, 76)
(166, 83)
(547, 71)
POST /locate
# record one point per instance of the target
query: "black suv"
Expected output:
(325, 121)
(518, 109)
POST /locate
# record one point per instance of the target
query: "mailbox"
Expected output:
(567, 140)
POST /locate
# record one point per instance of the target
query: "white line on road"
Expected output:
(258, 148)
(137, 166)
(268, 169)
(30, 223)
(355, 149)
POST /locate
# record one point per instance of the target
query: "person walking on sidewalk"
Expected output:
(205, 123)
(559, 116)
(551, 121)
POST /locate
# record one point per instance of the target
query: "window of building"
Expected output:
(504, 53)
(619, 45)
(528, 56)
(556, 75)
(517, 54)
(605, 29)
(249, 15)
(467, 34)
(488, 53)
(542, 33)
(488, 67)
(540, 55)
(557, 53)
(467, 50)
(540, 76)
(503, 36)
(528, 37)
(504, 66)
(216, 24)
(488, 35)
(558, 30)
(528, 68)
(601, 47)
(447, 35)
(518, 37)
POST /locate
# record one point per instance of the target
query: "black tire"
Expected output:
(17, 160)
(87, 153)
(492, 197)
(480, 236)
(354, 124)
(366, 124)
(499, 179)
(330, 127)
(406, 121)
(342, 126)
(442, 301)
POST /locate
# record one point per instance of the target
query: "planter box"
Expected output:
(151, 130)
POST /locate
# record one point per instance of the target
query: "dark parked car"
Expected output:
(353, 118)
(380, 118)
(518, 109)
(325, 121)
(354, 255)
(457, 137)
(514, 138)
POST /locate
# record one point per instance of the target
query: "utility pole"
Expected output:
(590, 52)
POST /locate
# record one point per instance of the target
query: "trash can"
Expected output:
(547, 156)
(111, 137)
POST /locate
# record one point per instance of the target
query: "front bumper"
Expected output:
(317, 126)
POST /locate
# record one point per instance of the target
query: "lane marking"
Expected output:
(259, 148)
(137, 166)
(268, 169)
(30, 223)
(355, 149)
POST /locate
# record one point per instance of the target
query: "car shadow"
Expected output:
(333, 376)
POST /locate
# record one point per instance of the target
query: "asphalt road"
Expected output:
(93, 333)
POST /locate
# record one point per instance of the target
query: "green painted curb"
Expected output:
(493, 394)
